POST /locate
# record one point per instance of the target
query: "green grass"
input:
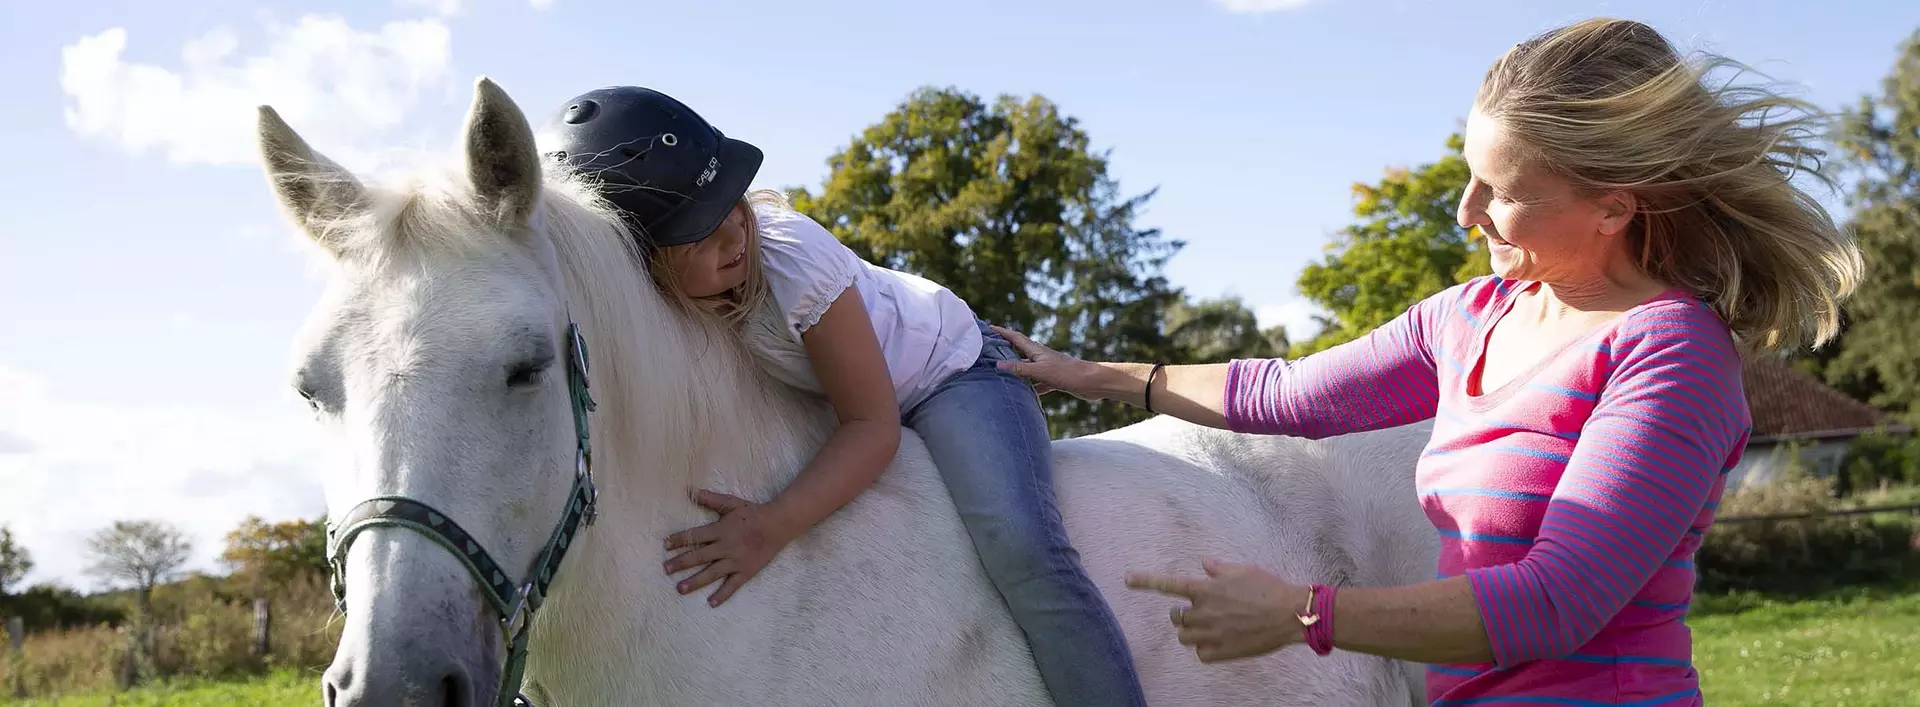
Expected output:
(1857, 648)
(282, 688)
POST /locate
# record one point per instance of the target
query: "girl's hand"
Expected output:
(1051, 370)
(1238, 611)
(737, 546)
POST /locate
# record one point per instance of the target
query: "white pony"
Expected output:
(437, 358)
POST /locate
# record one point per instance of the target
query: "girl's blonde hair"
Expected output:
(733, 306)
(1610, 105)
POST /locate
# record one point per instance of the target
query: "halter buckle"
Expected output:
(519, 612)
(583, 469)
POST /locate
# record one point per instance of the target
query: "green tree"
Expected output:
(1006, 204)
(15, 561)
(1407, 245)
(1877, 358)
(1222, 329)
(267, 556)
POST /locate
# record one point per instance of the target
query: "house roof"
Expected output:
(1787, 403)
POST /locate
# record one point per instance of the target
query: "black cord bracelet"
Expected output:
(1148, 402)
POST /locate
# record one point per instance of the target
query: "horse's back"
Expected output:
(1160, 495)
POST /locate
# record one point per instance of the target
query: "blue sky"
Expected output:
(149, 291)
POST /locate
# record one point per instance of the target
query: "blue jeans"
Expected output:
(989, 438)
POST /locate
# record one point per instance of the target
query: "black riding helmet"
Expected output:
(674, 175)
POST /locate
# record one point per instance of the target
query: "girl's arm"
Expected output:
(846, 358)
(853, 374)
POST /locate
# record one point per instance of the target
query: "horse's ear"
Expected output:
(502, 162)
(313, 190)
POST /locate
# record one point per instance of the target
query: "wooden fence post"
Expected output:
(16, 655)
(130, 666)
(262, 623)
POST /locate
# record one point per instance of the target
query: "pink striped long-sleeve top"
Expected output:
(1572, 498)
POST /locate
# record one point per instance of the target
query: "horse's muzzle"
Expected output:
(430, 683)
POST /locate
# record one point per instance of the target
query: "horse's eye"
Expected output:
(305, 386)
(526, 374)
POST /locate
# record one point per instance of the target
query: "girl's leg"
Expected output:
(989, 438)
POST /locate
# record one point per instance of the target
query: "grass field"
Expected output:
(1858, 649)
(285, 688)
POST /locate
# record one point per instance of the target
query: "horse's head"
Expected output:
(441, 358)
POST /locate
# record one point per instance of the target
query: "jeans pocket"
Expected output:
(994, 347)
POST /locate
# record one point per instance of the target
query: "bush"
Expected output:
(45, 607)
(1878, 460)
(68, 661)
(1803, 555)
(215, 642)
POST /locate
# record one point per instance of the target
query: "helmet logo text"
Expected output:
(707, 175)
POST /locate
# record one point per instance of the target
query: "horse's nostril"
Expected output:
(333, 695)
(455, 689)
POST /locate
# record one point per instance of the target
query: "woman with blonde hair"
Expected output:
(1587, 396)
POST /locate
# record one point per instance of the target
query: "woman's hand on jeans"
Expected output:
(1051, 370)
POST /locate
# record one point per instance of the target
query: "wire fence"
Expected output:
(1913, 508)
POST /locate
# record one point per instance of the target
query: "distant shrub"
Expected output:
(1879, 460)
(1803, 555)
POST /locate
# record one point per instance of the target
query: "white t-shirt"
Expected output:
(926, 332)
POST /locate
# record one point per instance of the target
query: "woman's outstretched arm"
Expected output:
(1383, 379)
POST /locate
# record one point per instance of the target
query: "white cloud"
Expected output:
(12, 444)
(1256, 7)
(1295, 314)
(73, 466)
(444, 8)
(338, 85)
(540, 4)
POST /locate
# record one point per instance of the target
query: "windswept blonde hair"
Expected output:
(733, 306)
(1610, 105)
